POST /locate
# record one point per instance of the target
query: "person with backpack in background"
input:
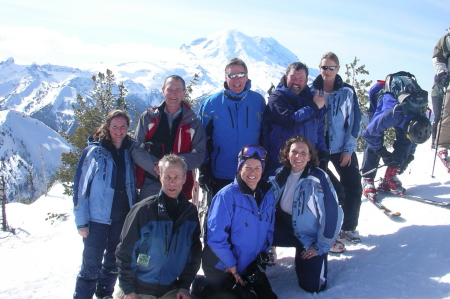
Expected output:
(437, 100)
(398, 102)
(441, 62)
(342, 126)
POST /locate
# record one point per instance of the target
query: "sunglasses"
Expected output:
(324, 67)
(252, 150)
(238, 75)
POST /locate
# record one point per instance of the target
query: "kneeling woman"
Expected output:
(240, 231)
(308, 215)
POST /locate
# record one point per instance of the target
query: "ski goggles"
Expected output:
(331, 68)
(253, 151)
(238, 75)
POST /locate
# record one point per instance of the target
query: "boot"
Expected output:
(391, 183)
(442, 153)
(369, 189)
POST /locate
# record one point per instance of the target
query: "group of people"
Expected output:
(266, 167)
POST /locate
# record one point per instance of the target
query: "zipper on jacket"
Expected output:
(176, 242)
(167, 240)
(246, 118)
(303, 201)
(215, 158)
(231, 117)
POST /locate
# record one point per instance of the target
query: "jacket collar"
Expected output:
(318, 83)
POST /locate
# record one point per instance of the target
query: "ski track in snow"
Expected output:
(400, 257)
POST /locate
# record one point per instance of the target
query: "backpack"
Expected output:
(404, 87)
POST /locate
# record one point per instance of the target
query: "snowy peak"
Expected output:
(227, 44)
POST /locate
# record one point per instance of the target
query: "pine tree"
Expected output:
(187, 97)
(90, 114)
(361, 87)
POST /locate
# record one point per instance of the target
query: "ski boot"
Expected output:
(390, 182)
(443, 156)
(369, 189)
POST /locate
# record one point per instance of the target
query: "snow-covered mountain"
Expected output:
(30, 154)
(31, 94)
(46, 92)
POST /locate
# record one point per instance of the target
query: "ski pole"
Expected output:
(439, 132)
(372, 170)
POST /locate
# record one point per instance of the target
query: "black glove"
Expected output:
(324, 158)
(205, 177)
(408, 160)
(256, 269)
(388, 158)
(442, 79)
(153, 148)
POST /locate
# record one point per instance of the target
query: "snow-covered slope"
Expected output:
(29, 150)
(403, 257)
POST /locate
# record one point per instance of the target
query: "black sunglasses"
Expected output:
(324, 67)
(238, 75)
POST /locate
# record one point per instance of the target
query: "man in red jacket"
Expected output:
(172, 127)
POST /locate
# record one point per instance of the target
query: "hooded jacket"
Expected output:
(316, 214)
(239, 229)
(344, 116)
(441, 54)
(231, 121)
(95, 182)
(156, 253)
(288, 114)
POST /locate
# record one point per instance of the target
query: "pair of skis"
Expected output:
(390, 213)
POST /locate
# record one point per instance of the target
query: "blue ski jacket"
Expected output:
(157, 253)
(387, 114)
(288, 114)
(344, 116)
(231, 121)
(239, 229)
(316, 214)
(95, 181)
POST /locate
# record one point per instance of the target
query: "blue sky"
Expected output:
(387, 36)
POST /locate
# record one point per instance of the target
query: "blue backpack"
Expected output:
(404, 87)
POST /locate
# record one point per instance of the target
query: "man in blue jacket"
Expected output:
(292, 110)
(410, 130)
(232, 119)
(159, 251)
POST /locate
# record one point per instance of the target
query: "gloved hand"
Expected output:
(324, 158)
(388, 158)
(205, 177)
(442, 79)
(153, 148)
(408, 160)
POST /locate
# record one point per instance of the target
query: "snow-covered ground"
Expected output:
(403, 257)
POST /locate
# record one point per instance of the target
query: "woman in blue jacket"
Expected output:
(104, 192)
(308, 216)
(342, 126)
(240, 230)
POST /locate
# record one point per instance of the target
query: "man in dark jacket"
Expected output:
(159, 251)
(292, 110)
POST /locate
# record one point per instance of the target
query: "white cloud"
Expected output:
(42, 45)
